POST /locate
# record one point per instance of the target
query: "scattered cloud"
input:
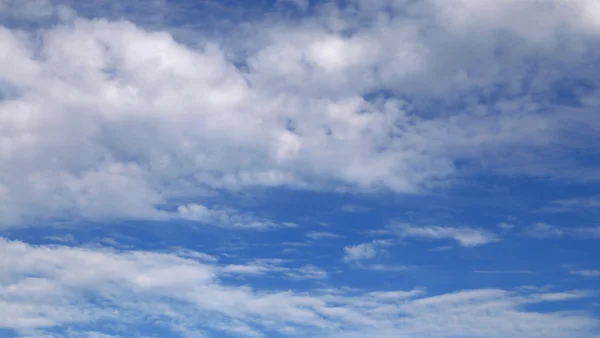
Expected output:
(396, 295)
(467, 237)
(226, 218)
(308, 272)
(274, 268)
(360, 252)
(543, 230)
(493, 272)
(68, 238)
(130, 112)
(382, 267)
(442, 248)
(573, 204)
(316, 235)
(565, 296)
(366, 251)
(547, 231)
(256, 267)
(49, 287)
(506, 226)
(586, 273)
(353, 208)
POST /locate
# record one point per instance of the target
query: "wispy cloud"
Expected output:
(586, 273)
(548, 231)
(68, 238)
(225, 217)
(316, 235)
(308, 272)
(256, 267)
(442, 248)
(543, 230)
(382, 267)
(467, 237)
(506, 226)
(353, 208)
(186, 296)
(495, 272)
(573, 204)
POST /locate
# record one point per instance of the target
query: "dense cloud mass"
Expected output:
(105, 119)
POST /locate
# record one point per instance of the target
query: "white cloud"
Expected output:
(392, 296)
(543, 230)
(506, 226)
(354, 208)
(360, 252)
(273, 267)
(152, 121)
(547, 231)
(586, 273)
(256, 267)
(50, 287)
(442, 248)
(521, 272)
(225, 217)
(587, 233)
(366, 251)
(467, 237)
(382, 267)
(321, 235)
(308, 272)
(573, 204)
(564, 296)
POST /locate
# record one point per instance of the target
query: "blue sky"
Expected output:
(299, 168)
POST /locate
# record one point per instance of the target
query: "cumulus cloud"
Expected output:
(467, 237)
(365, 251)
(359, 252)
(48, 289)
(328, 101)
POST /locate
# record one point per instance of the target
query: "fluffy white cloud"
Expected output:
(107, 120)
(468, 237)
(63, 288)
(360, 252)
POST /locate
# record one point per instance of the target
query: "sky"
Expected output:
(300, 168)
